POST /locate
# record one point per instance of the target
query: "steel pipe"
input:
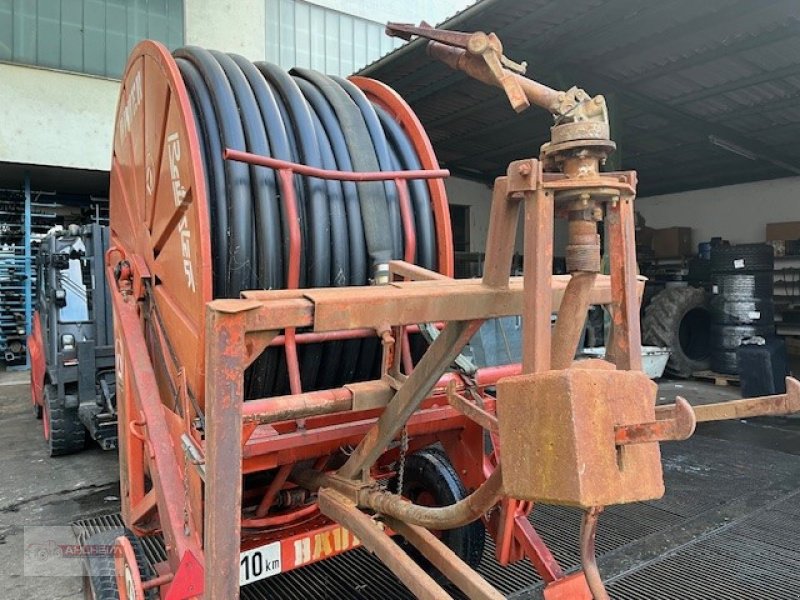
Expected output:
(465, 511)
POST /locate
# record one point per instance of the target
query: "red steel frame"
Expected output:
(188, 439)
(235, 444)
(186, 482)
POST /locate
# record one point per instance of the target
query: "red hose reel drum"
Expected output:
(159, 207)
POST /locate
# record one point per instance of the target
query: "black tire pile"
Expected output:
(741, 300)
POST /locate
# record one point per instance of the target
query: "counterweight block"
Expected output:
(557, 430)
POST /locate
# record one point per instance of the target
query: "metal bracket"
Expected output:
(470, 410)
(762, 406)
(193, 455)
(680, 426)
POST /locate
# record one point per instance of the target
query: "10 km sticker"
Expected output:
(259, 563)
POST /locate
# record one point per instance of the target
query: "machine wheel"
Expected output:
(430, 480)
(63, 429)
(678, 318)
(100, 578)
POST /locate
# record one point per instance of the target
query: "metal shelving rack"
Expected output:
(23, 222)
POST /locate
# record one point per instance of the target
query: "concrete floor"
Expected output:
(37, 490)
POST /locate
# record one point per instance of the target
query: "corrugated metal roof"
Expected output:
(675, 73)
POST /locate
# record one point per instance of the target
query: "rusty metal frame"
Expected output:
(183, 469)
(243, 438)
(232, 324)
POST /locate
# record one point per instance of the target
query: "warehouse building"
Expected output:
(256, 437)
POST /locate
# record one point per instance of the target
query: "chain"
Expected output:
(401, 470)
(186, 529)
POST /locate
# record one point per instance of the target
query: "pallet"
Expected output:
(718, 378)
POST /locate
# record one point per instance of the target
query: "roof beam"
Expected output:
(676, 31)
(590, 16)
(597, 18)
(738, 84)
(696, 124)
(743, 111)
(784, 31)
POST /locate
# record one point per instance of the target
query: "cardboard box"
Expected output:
(788, 230)
(673, 242)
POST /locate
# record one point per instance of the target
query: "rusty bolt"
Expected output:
(524, 169)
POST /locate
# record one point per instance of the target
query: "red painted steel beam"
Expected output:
(274, 163)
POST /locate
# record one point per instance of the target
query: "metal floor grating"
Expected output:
(727, 528)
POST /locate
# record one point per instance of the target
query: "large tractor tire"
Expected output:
(679, 319)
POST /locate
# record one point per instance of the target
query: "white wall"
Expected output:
(478, 197)
(738, 213)
(64, 119)
(56, 118)
(229, 25)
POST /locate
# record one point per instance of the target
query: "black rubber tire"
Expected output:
(430, 470)
(678, 318)
(742, 312)
(742, 286)
(729, 337)
(742, 258)
(699, 271)
(67, 433)
(725, 362)
(101, 574)
(37, 411)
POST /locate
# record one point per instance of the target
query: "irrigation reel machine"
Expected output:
(277, 241)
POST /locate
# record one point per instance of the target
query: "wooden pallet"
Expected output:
(717, 378)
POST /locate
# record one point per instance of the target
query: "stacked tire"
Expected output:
(741, 300)
(678, 318)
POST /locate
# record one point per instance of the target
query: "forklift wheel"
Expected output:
(431, 480)
(101, 574)
(63, 429)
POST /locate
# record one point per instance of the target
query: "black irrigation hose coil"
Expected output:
(349, 231)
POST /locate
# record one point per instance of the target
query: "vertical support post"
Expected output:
(225, 349)
(500, 239)
(28, 263)
(537, 304)
(625, 347)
